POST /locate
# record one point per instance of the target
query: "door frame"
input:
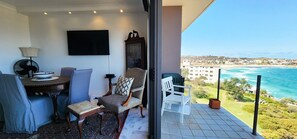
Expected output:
(155, 58)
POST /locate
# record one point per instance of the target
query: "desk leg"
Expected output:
(56, 116)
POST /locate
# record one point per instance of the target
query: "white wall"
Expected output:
(49, 34)
(14, 33)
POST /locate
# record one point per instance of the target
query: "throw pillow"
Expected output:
(123, 86)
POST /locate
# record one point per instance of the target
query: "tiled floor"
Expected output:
(135, 126)
(204, 123)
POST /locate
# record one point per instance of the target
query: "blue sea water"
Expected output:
(279, 82)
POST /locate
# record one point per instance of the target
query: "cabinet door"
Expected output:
(134, 55)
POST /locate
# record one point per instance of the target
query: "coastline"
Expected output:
(267, 88)
(257, 66)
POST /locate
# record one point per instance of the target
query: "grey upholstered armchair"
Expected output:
(119, 103)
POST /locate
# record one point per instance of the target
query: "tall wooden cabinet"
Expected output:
(136, 55)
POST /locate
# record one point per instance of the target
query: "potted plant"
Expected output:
(214, 103)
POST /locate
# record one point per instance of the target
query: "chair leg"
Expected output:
(100, 125)
(162, 108)
(87, 121)
(182, 114)
(190, 105)
(119, 122)
(68, 121)
(141, 108)
(79, 126)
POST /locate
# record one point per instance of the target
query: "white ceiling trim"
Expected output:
(191, 9)
(8, 6)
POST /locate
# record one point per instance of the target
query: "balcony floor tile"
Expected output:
(204, 122)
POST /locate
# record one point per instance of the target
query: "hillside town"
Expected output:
(222, 60)
(208, 66)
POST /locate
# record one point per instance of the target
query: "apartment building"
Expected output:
(196, 71)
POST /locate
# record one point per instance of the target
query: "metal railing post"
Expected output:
(256, 105)
(219, 79)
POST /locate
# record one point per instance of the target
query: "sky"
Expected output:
(244, 28)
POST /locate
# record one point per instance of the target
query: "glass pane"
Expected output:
(134, 55)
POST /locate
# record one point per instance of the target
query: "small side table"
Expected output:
(109, 77)
(82, 110)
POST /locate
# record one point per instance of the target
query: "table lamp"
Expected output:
(29, 52)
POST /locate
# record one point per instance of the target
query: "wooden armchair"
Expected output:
(119, 103)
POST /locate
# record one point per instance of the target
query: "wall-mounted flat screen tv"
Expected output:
(88, 42)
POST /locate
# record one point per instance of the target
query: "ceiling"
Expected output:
(31, 6)
(191, 9)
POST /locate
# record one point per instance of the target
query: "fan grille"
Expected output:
(23, 67)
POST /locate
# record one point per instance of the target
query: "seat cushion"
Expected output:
(114, 102)
(177, 99)
(123, 86)
(83, 107)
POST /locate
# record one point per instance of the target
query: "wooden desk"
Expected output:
(52, 88)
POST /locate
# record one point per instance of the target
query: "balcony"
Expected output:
(204, 122)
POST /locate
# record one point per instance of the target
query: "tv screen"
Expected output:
(88, 42)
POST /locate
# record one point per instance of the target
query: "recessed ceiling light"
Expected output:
(69, 12)
(45, 13)
(121, 11)
(94, 12)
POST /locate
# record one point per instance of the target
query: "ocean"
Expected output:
(280, 82)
